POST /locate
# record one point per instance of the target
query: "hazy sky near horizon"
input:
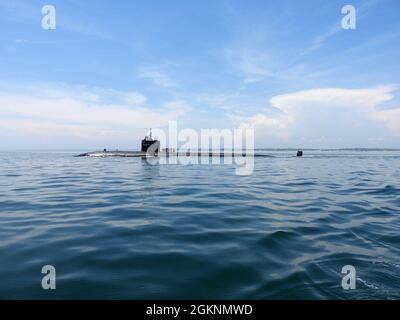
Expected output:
(113, 69)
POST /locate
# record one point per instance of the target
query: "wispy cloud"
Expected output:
(322, 38)
(253, 64)
(135, 98)
(361, 13)
(157, 76)
(83, 24)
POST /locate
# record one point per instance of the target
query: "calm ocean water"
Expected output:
(120, 228)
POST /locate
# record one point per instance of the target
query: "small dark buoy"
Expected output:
(300, 153)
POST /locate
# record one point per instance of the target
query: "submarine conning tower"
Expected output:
(300, 153)
(148, 141)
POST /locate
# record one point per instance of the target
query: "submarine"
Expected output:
(151, 148)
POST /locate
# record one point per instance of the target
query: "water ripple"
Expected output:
(120, 228)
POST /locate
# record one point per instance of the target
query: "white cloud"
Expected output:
(356, 101)
(224, 101)
(391, 118)
(179, 106)
(59, 114)
(348, 98)
(135, 98)
(266, 125)
(356, 106)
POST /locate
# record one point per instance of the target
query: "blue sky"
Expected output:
(112, 69)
